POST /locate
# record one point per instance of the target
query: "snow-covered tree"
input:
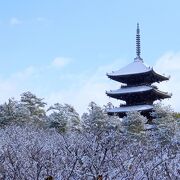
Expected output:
(106, 147)
(167, 124)
(33, 103)
(134, 122)
(13, 112)
(94, 118)
(63, 117)
(33, 153)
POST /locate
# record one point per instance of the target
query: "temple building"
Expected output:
(136, 89)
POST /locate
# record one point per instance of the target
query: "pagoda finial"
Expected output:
(138, 44)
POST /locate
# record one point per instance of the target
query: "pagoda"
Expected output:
(137, 90)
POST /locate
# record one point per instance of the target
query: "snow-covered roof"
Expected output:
(130, 108)
(135, 67)
(130, 89)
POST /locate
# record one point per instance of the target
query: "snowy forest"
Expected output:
(40, 141)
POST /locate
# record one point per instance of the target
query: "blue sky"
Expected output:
(61, 49)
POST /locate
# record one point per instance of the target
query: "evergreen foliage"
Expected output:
(63, 117)
(57, 143)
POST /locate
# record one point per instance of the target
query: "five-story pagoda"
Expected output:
(137, 89)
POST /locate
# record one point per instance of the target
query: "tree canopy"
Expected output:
(38, 142)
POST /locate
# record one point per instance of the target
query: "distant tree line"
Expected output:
(39, 142)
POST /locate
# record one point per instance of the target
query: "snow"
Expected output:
(149, 126)
(135, 67)
(101, 145)
(130, 89)
(130, 108)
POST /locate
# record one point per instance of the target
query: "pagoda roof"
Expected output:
(125, 109)
(134, 89)
(136, 67)
(136, 73)
(142, 92)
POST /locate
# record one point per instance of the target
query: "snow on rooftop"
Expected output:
(135, 67)
(130, 89)
(130, 108)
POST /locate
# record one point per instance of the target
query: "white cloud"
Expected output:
(25, 74)
(169, 64)
(91, 87)
(16, 83)
(6, 88)
(15, 21)
(41, 19)
(85, 87)
(60, 62)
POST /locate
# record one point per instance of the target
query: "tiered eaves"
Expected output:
(138, 91)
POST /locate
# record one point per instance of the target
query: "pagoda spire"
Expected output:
(137, 89)
(138, 44)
